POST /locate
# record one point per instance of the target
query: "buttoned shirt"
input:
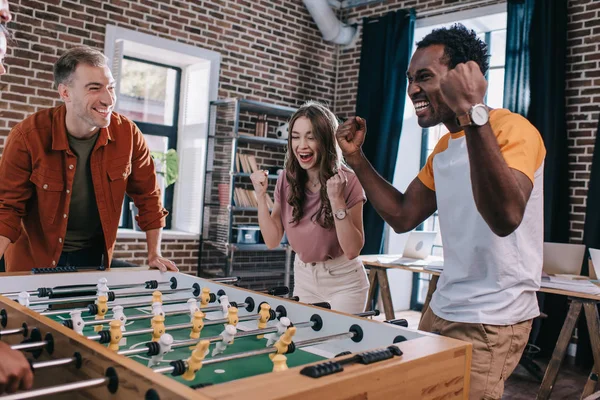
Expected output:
(36, 177)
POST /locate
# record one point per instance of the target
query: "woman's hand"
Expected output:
(335, 188)
(259, 181)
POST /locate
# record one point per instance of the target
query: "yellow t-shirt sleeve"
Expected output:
(426, 173)
(521, 145)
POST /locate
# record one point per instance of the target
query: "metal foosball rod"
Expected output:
(227, 279)
(211, 298)
(268, 350)
(110, 379)
(23, 330)
(112, 296)
(45, 292)
(76, 359)
(169, 314)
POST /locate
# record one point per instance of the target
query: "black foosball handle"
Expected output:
(399, 322)
(366, 358)
(55, 270)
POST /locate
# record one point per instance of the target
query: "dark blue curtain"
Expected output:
(516, 75)
(386, 48)
(535, 88)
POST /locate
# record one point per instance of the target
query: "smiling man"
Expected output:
(64, 173)
(485, 179)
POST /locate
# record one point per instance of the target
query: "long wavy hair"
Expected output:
(324, 125)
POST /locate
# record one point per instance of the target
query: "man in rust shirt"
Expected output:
(64, 173)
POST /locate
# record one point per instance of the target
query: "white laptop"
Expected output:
(416, 249)
(419, 244)
(563, 258)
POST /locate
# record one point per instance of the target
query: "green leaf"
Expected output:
(168, 165)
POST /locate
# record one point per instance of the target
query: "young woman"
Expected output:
(319, 204)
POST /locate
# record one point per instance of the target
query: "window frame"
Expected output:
(170, 132)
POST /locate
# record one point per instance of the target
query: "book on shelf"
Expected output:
(238, 165)
(261, 126)
(252, 163)
(244, 163)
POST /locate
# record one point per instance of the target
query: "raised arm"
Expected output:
(500, 192)
(402, 211)
(269, 221)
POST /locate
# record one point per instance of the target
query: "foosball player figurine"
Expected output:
(232, 316)
(24, 299)
(197, 325)
(115, 335)
(282, 325)
(156, 297)
(195, 361)
(227, 338)
(225, 305)
(205, 297)
(157, 309)
(279, 363)
(265, 315)
(119, 315)
(193, 307)
(158, 324)
(102, 288)
(284, 341)
(165, 343)
(78, 323)
(102, 309)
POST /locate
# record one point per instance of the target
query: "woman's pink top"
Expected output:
(310, 241)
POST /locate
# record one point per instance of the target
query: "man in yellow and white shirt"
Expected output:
(485, 179)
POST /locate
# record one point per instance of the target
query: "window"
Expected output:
(165, 86)
(149, 95)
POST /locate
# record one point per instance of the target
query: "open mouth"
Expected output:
(305, 157)
(104, 112)
(421, 107)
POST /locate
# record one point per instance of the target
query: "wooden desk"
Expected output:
(379, 280)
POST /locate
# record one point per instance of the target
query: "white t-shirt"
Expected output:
(487, 278)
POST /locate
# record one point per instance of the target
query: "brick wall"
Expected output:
(583, 102)
(270, 52)
(582, 85)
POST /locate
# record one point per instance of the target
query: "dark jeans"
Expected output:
(91, 257)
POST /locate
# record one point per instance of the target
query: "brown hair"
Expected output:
(68, 62)
(324, 125)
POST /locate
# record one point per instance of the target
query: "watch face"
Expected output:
(340, 214)
(479, 115)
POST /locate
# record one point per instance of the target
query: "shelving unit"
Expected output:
(230, 123)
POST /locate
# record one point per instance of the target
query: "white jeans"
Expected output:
(341, 282)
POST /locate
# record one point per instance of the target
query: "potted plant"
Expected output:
(167, 166)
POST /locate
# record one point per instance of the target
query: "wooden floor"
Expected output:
(521, 385)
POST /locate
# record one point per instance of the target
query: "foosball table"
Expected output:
(130, 334)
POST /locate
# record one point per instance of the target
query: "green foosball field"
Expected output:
(212, 374)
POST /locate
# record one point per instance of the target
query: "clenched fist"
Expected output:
(351, 135)
(335, 187)
(463, 87)
(259, 181)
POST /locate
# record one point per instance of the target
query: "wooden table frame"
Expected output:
(379, 280)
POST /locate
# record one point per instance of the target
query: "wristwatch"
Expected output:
(341, 213)
(478, 115)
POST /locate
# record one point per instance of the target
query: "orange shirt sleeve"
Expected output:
(426, 173)
(520, 143)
